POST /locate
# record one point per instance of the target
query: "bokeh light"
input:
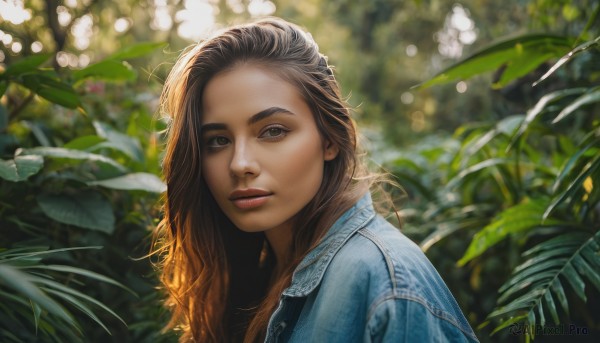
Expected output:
(162, 17)
(82, 31)
(64, 17)
(411, 50)
(122, 24)
(14, 11)
(459, 30)
(259, 8)
(36, 46)
(407, 98)
(7, 39)
(197, 19)
(16, 47)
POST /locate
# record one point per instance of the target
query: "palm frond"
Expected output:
(575, 186)
(517, 219)
(536, 290)
(40, 298)
(542, 105)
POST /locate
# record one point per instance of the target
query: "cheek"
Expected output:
(301, 167)
(213, 173)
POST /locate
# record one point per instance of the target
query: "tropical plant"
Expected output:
(36, 290)
(524, 188)
(69, 177)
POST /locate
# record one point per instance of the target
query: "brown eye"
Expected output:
(217, 142)
(221, 140)
(274, 133)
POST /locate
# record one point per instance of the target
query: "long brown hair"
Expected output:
(204, 257)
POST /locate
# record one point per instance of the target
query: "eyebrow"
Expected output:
(253, 120)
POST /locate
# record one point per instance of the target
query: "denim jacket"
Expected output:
(367, 282)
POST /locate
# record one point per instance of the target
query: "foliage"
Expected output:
(517, 57)
(72, 174)
(524, 190)
(36, 292)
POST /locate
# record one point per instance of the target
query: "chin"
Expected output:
(251, 226)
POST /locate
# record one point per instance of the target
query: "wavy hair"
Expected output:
(217, 277)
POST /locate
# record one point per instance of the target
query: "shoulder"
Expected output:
(406, 320)
(380, 252)
(394, 278)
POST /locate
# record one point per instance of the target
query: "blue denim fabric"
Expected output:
(367, 282)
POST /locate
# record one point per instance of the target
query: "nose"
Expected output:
(243, 162)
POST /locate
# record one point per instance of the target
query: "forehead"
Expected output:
(248, 89)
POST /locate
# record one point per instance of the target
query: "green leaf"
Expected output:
(52, 89)
(136, 50)
(541, 262)
(533, 287)
(573, 278)
(566, 58)
(509, 124)
(570, 163)
(37, 311)
(135, 181)
(559, 291)
(84, 142)
(567, 240)
(528, 300)
(28, 252)
(71, 154)
(21, 167)
(530, 278)
(24, 284)
(531, 320)
(541, 105)
(79, 305)
(516, 53)
(84, 272)
(587, 271)
(521, 65)
(65, 289)
(592, 256)
(592, 96)
(508, 322)
(516, 219)
(574, 186)
(458, 179)
(25, 65)
(551, 307)
(540, 311)
(130, 146)
(107, 70)
(89, 210)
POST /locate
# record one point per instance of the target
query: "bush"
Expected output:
(524, 190)
(78, 194)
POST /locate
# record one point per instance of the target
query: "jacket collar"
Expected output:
(311, 269)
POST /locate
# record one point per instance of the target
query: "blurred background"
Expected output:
(485, 112)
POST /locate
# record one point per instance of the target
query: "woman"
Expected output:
(269, 232)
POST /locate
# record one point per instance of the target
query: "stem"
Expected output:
(60, 34)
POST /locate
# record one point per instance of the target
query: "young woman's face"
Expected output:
(262, 155)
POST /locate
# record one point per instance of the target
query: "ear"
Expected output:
(330, 150)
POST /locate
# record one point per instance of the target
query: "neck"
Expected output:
(280, 239)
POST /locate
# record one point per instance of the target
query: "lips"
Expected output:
(249, 198)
